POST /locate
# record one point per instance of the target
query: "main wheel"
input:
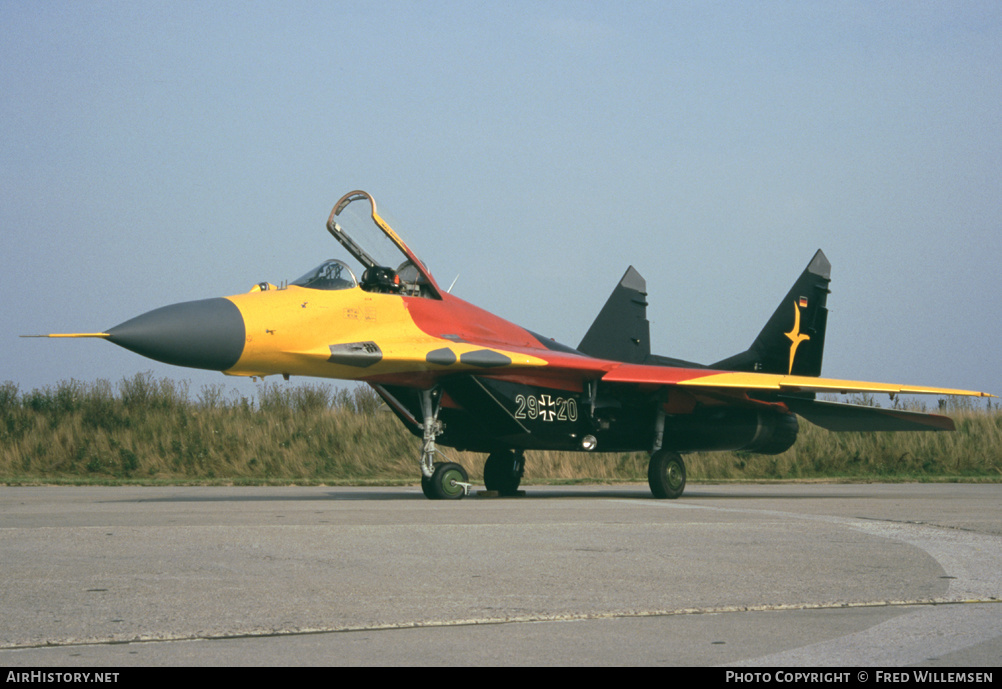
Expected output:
(503, 471)
(445, 481)
(666, 474)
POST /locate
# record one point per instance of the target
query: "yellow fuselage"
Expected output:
(291, 331)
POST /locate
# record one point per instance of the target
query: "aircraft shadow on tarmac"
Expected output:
(533, 493)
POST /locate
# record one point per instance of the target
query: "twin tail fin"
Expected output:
(792, 341)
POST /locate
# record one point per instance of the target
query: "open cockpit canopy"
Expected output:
(388, 264)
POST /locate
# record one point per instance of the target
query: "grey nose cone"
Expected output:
(206, 334)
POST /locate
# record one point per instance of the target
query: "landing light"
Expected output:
(589, 442)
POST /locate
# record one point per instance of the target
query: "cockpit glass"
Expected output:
(355, 222)
(329, 275)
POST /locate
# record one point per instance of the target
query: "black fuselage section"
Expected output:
(485, 414)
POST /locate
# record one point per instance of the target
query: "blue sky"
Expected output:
(160, 152)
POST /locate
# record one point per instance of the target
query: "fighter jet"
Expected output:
(461, 377)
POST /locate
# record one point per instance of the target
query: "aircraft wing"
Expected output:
(830, 415)
(713, 379)
(768, 382)
(783, 389)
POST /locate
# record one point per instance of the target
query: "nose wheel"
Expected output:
(448, 481)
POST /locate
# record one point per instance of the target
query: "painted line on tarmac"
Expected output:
(972, 560)
(478, 621)
(920, 635)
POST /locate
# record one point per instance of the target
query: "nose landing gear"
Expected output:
(446, 480)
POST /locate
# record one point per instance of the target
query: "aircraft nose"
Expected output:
(206, 334)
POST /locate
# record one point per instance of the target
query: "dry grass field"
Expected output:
(148, 430)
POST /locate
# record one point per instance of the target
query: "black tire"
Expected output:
(503, 471)
(444, 482)
(666, 474)
(426, 487)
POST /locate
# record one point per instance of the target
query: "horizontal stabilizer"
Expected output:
(621, 331)
(853, 417)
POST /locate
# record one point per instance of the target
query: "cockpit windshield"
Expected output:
(389, 264)
(330, 275)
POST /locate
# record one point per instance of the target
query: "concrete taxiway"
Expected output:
(774, 574)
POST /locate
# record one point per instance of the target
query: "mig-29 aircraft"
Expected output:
(461, 377)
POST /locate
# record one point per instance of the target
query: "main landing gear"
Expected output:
(666, 474)
(503, 471)
(666, 471)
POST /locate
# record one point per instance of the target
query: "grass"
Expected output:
(153, 431)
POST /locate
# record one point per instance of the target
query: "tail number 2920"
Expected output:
(546, 408)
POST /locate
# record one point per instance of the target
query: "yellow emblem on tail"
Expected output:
(795, 336)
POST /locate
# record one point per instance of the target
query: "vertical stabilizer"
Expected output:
(621, 331)
(793, 340)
